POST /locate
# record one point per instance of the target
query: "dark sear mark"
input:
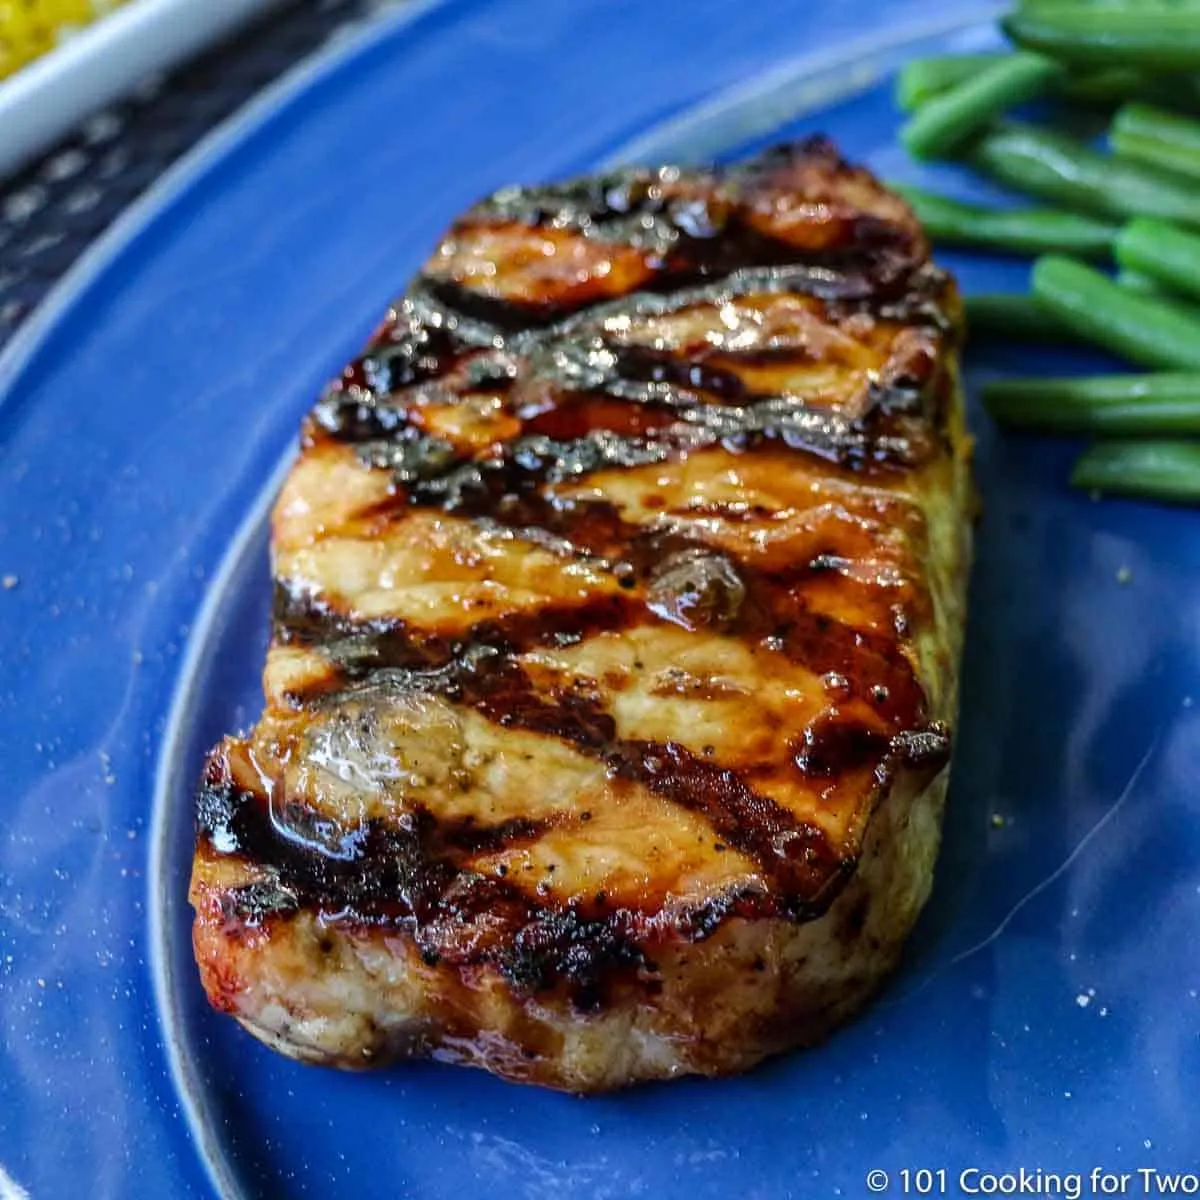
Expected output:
(405, 876)
(702, 245)
(670, 404)
(680, 579)
(481, 674)
(578, 439)
(688, 227)
(472, 837)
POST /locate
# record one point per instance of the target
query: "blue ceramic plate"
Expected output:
(1047, 1014)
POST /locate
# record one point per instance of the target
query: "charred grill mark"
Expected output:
(502, 691)
(588, 434)
(400, 876)
(649, 209)
(302, 619)
(768, 609)
(671, 575)
(639, 554)
(592, 435)
(707, 244)
(693, 227)
(601, 404)
(832, 746)
(415, 458)
(643, 365)
(436, 477)
(398, 879)
(407, 351)
(794, 855)
(564, 943)
(361, 648)
(355, 415)
(869, 662)
(667, 572)
(478, 670)
(574, 419)
(703, 251)
(470, 837)
(257, 903)
(456, 302)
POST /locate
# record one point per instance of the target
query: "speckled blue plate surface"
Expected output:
(1047, 1014)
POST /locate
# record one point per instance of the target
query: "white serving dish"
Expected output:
(48, 97)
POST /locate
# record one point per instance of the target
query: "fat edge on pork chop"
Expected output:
(619, 592)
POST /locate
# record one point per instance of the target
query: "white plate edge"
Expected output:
(46, 98)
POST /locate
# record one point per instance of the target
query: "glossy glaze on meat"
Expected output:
(618, 600)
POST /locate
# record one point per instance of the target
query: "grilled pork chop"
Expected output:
(619, 589)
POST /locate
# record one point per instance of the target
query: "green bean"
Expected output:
(1144, 329)
(1144, 285)
(1023, 231)
(1161, 139)
(1108, 404)
(1112, 85)
(921, 79)
(943, 124)
(1165, 470)
(1166, 253)
(1013, 316)
(1141, 34)
(1134, 148)
(1063, 170)
(1135, 281)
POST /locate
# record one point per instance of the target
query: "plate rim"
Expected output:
(153, 205)
(753, 95)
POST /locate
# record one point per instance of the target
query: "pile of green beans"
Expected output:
(1114, 231)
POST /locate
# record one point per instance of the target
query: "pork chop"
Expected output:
(619, 593)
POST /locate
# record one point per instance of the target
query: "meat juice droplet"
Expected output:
(836, 684)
